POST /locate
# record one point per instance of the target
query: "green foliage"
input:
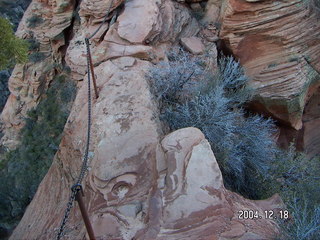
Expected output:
(297, 178)
(297, 175)
(190, 96)
(13, 49)
(24, 167)
(34, 21)
(35, 56)
(67, 69)
(304, 223)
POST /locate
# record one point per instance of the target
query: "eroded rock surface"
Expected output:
(139, 185)
(122, 164)
(306, 139)
(30, 81)
(136, 187)
(311, 123)
(276, 43)
(144, 38)
(195, 204)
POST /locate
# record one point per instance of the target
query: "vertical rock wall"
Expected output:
(278, 44)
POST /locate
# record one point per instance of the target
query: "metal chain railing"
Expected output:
(76, 188)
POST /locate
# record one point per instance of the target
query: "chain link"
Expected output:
(83, 170)
(66, 214)
(74, 190)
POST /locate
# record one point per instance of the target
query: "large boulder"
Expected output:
(191, 202)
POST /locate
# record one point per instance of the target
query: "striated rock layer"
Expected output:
(138, 185)
(278, 44)
(139, 189)
(30, 81)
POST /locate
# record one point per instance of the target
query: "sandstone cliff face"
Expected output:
(30, 81)
(139, 185)
(277, 43)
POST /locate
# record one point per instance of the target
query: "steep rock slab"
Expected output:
(30, 81)
(136, 188)
(277, 44)
(122, 160)
(27, 83)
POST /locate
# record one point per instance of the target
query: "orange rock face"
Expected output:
(139, 185)
(277, 44)
(311, 123)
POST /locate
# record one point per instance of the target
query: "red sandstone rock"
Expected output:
(311, 124)
(136, 188)
(30, 81)
(212, 12)
(137, 184)
(276, 44)
(95, 11)
(193, 45)
(132, 35)
(137, 29)
(122, 159)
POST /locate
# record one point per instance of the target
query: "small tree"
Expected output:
(13, 50)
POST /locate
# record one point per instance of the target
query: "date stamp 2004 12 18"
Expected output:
(267, 214)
